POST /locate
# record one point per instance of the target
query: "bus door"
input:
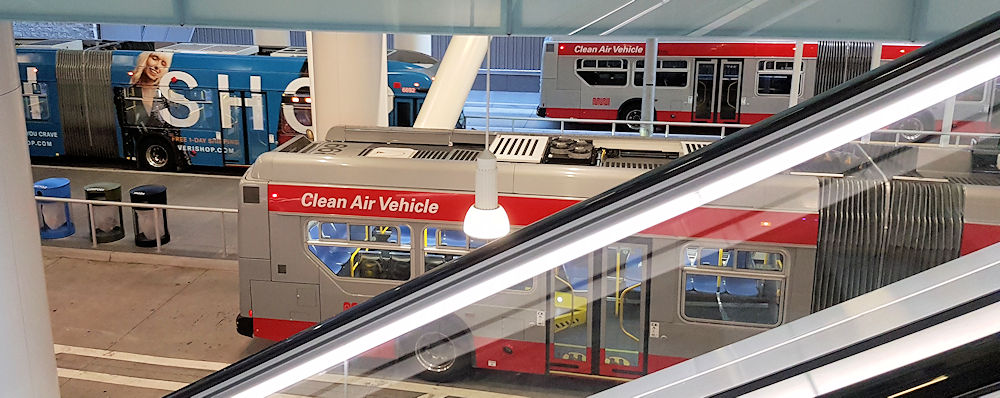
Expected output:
(244, 126)
(717, 90)
(404, 112)
(599, 308)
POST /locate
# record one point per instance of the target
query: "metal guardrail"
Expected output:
(898, 135)
(614, 123)
(157, 221)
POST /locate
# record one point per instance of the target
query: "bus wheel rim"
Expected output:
(636, 115)
(435, 352)
(157, 156)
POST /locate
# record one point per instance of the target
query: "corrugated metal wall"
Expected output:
(513, 53)
(222, 36)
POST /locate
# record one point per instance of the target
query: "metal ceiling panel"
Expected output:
(886, 20)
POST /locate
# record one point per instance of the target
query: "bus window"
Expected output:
(775, 78)
(668, 74)
(606, 72)
(974, 94)
(384, 255)
(442, 245)
(732, 285)
(36, 102)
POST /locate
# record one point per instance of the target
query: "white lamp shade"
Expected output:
(486, 224)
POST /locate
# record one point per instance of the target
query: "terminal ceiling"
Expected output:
(885, 20)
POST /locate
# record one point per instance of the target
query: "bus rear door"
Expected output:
(244, 127)
(717, 90)
(599, 306)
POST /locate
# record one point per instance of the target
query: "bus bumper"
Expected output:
(244, 325)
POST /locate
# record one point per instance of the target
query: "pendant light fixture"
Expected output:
(486, 219)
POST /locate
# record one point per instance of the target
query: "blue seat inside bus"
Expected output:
(740, 286)
(333, 257)
(578, 273)
(452, 238)
(702, 283)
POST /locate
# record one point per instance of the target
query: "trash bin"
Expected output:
(107, 220)
(54, 220)
(145, 219)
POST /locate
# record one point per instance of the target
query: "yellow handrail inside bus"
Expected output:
(621, 315)
(618, 278)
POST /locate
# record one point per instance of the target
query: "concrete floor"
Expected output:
(134, 329)
(193, 234)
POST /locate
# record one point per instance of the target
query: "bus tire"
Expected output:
(156, 154)
(442, 350)
(630, 110)
(920, 121)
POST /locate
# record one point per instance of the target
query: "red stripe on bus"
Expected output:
(436, 206)
(572, 113)
(782, 50)
(662, 116)
(978, 236)
(509, 355)
(742, 225)
(965, 126)
(278, 329)
(705, 222)
(896, 51)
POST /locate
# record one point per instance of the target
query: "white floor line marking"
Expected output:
(140, 358)
(153, 384)
(120, 380)
(427, 389)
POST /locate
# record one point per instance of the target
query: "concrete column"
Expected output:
(649, 87)
(385, 106)
(272, 38)
(27, 361)
(412, 42)
(793, 94)
(452, 83)
(346, 83)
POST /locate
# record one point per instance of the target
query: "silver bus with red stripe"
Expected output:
(326, 225)
(733, 82)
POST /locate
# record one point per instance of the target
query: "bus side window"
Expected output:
(340, 247)
(36, 100)
(442, 245)
(732, 286)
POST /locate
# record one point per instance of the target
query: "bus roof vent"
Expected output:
(296, 52)
(197, 48)
(643, 164)
(519, 148)
(691, 146)
(391, 152)
(435, 154)
(464, 154)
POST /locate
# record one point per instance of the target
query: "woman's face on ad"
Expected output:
(155, 66)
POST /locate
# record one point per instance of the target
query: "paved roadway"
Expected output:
(140, 330)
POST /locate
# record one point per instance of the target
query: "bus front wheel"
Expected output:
(442, 350)
(630, 111)
(156, 154)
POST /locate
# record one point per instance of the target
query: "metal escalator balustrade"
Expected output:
(871, 101)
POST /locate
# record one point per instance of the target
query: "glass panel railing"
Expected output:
(783, 219)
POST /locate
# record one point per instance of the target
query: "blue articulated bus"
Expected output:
(168, 110)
